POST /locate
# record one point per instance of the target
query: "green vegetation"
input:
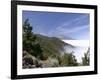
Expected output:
(42, 51)
(68, 60)
(29, 41)
(86, 58)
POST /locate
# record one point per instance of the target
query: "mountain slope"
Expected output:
(52, 45)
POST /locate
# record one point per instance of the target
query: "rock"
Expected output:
(30, 61)
(25, 53)
(27, 61)
(33, 66)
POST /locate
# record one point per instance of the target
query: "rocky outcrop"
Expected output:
(30, 61)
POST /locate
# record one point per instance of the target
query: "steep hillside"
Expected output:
(43, 51)
(52, 45)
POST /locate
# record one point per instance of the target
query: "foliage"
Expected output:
(48, 50)
(68, 59)
(86, 58)
(29, 40)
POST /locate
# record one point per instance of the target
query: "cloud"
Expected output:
(69, 27)
(69, 31)
(71, 22)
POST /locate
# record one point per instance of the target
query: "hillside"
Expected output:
(52, 45)
(41, 51)
(53, 53)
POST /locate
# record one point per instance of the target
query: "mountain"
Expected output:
(41, 51)
(55, 53)
(52, 45)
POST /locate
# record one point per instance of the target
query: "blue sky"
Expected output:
(57, 24)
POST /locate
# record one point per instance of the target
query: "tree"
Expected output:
(29, 40)
(72, 60)
(68, 59)
(86, 58)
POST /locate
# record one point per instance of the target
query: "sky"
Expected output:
(59, 24)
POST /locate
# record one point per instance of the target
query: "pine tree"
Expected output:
(86, 58)
(29, 40)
